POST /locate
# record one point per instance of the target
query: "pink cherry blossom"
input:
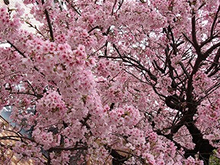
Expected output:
(110, 82)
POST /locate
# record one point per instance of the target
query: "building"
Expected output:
(8, 155)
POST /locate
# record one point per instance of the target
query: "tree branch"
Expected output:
(49, 25)
(67, 148)
(214, 22)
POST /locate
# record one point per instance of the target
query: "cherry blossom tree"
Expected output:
(112, 81)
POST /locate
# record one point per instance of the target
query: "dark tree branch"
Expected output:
(117, 158)
(74, 8)
(210, 50)
(114, 7)
(6, 2)
(35, 27)
(214, 22)
(96, 27)
(22, 54)
(156, 66)
(174, 45)
(84, 121)
(184, 69)
(174, 102)
(202, 145)
(208, 40)
(120, 5)
(49, 25)
(12, 45)
(67, 148)
(39, 96)
(209, 91)
(135, 63)
(214, 65)
(194, 38)
(187, 38)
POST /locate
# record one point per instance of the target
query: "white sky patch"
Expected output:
(4, 45)
(26, 16)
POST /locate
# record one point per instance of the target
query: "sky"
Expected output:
(24, 26)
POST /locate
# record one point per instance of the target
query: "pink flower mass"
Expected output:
(111, 82)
